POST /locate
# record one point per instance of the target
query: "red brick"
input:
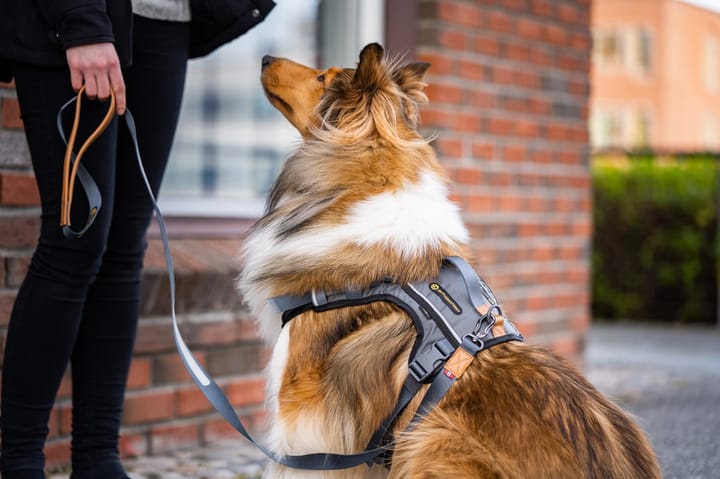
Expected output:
(529, 28)
(65, 389)
(514, 153)
(487, 45)
(169, 368)
(470, 70)
(443, 92)
(453, 39)
(568, 13)
(469, 176)
(7, 300)
(17, 267)
(133, 444)
(483, 99)
(57, 453)
(483, 150)
(11, 114)
(19, 231)
(439, 64)
(54, 423)
(154, 337)
(191, 401)
(500, 22)
(140, 375)
(148, 406)
(542, 8)
(449, 147)
(460, 14)
(466, 122)
(503, 75)
(480, 203)
(500, 126)
(246, 392)
(172, 437)
(64, 412)
(18, 190)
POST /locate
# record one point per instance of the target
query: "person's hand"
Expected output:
(97, 67)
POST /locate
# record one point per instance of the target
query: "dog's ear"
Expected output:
(410, 77)
(368, 73)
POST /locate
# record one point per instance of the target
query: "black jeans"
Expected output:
(79, 302)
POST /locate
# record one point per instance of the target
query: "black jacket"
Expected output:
(39, 31)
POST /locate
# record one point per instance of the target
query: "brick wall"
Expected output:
(163, 408)
(508, 89)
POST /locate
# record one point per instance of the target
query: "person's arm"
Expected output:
(85, 32)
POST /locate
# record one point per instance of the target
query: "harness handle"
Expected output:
(72, 168)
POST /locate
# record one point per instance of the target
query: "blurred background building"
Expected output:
(656, 75)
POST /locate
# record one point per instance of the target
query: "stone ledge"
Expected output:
(205, 272)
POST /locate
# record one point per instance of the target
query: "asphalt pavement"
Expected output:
(669, 378)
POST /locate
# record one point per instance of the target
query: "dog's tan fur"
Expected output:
(519, 411)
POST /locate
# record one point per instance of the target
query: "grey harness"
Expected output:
(455, 314)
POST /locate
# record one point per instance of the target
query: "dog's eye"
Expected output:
(321, 78)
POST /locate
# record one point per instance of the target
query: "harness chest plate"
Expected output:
(455, 306)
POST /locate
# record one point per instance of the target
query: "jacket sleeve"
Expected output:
(79, 22)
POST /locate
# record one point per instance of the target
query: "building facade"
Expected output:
(509, 94)
(655, 76)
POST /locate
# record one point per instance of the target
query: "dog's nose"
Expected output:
(267, 60)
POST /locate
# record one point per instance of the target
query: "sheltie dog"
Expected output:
(364, 198)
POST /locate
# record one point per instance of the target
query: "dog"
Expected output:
(363, 199)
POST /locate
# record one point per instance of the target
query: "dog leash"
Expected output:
(72, 168)
(207, 385)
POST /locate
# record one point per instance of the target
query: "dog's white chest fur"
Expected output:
(416, 218)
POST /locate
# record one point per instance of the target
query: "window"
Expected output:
(642, 51)
(230, 141)
(711, 65)
(608, 48)
(606, 129)
(627, 49)
(641, 129)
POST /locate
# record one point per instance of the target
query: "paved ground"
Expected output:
(669, 378)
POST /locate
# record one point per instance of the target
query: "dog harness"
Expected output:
(456, 316)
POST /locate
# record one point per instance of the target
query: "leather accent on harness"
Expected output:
(456, 316)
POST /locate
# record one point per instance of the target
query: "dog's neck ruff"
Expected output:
(456, 316)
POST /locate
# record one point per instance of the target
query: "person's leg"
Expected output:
(48, 309)
(104, 348)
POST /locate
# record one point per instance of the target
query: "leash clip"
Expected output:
(480, 333)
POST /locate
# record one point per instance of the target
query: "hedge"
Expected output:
(655, 252)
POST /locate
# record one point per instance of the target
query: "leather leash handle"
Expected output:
(70, 174)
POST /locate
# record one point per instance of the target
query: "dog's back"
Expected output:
(364, 199)
(522, 412)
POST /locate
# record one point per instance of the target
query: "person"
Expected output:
(79, 301)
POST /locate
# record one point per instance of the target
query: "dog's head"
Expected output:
(380, 95)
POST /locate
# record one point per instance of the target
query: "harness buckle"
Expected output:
(427, 364)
